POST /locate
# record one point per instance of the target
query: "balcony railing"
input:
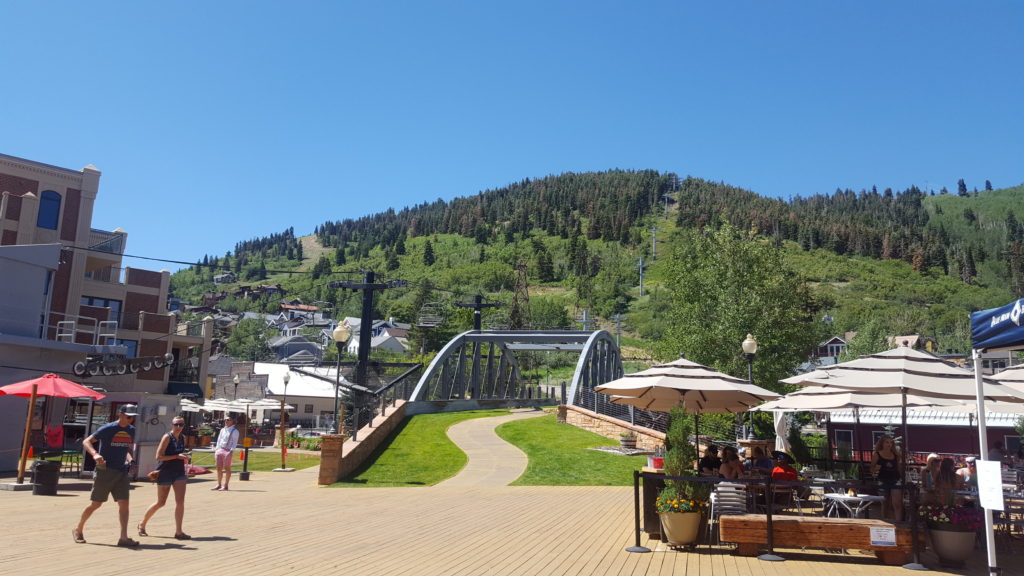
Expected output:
(104, 241)
(109, 274)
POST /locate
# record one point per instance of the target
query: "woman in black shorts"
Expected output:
(887, 467)
(172, 458)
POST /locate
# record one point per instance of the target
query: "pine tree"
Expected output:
(428, 254)
(339, 256)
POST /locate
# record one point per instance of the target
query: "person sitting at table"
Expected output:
(928, 475)
(731, 467)
(947, 482)
(710, 462)
(783, 469)
(760, 463)
(887, 467)
(969, 474)
(996, 453)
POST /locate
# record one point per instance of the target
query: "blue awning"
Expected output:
(186, 389)
(999, 328)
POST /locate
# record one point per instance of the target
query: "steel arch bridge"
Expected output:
(482, 364)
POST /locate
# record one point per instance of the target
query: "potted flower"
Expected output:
(681, 506)
(205, 435)
(952, 530)
(681, 513)
(627, 440)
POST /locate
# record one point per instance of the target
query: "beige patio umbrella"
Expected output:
(692, 386)
(696, 387)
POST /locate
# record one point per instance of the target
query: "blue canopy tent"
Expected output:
(991, 331)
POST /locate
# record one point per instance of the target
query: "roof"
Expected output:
(924, 418)
(301, 383)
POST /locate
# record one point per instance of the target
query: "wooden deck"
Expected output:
(282, 523)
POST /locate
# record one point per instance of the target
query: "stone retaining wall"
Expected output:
(646, 439)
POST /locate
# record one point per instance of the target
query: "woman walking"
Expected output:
(887, 466)
(172, 457)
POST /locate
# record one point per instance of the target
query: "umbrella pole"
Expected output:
(28, 429)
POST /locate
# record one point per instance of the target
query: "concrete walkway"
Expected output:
(492, 461)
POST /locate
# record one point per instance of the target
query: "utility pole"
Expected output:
(477, 305)
(618, 318)
(368, 286)
(640, 265)
(585, 321)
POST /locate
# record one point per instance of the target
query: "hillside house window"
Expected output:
(49, 210)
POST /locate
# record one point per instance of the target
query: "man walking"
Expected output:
(113, 459)
(226, 442)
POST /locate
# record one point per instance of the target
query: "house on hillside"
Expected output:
(285, 347)
(225, 278)
(384, 335)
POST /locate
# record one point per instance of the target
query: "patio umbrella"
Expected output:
(692, 386)
(46, 385)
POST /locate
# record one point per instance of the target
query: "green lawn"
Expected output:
(560, 455)
(263, 460)
(418, 453)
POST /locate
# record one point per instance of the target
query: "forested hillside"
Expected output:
(913, 260)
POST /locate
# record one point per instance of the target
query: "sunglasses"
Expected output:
(177, 424)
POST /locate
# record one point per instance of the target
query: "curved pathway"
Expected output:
(492, 461)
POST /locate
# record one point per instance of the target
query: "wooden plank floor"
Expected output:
(282, 523)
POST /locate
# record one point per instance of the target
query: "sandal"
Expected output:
(142, 530)
(78, 536)
(127, 543)
(182, 536)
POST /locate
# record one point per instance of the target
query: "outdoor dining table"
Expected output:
(855, 504)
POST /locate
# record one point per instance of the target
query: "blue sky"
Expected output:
(215, 122)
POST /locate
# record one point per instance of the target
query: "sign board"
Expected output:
(990, 484)
(883, 536)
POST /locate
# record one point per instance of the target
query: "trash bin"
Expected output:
(45, 474)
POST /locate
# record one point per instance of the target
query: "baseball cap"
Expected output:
(970, 459)
(128, 410)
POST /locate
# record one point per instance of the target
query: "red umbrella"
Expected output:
(50, 385)
(47, 385)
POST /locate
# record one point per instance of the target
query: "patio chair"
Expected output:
(725, 499)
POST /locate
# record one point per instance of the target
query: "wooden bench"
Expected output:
(750, 532)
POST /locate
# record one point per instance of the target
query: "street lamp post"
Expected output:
(284, 425)
(235, 380)
(750, 351)
(340, 335)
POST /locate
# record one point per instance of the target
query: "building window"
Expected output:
(49, 210)
(308, 409)
(114, 305)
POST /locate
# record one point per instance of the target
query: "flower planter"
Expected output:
(205, 440)
(628, 442)
(952, 546)
(680, 528)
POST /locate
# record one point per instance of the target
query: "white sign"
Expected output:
(883, 536)
(990, 484)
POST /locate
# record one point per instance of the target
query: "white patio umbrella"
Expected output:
(821, 399)
(1012, 376)
(692, 386)
(189, 406)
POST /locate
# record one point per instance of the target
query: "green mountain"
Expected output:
(917, 262)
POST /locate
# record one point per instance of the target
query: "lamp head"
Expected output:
(286, 378)
(235, 379)
(750, 345)
(340, 334)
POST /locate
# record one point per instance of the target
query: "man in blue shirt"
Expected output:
(113, 459)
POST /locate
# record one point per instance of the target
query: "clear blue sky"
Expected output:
(215, 122)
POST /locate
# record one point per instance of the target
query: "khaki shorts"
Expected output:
(110, 482)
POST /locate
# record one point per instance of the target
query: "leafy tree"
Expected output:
(870, 339)
(725, 284)
(248, 341)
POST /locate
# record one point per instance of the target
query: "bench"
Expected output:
(750, 532)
